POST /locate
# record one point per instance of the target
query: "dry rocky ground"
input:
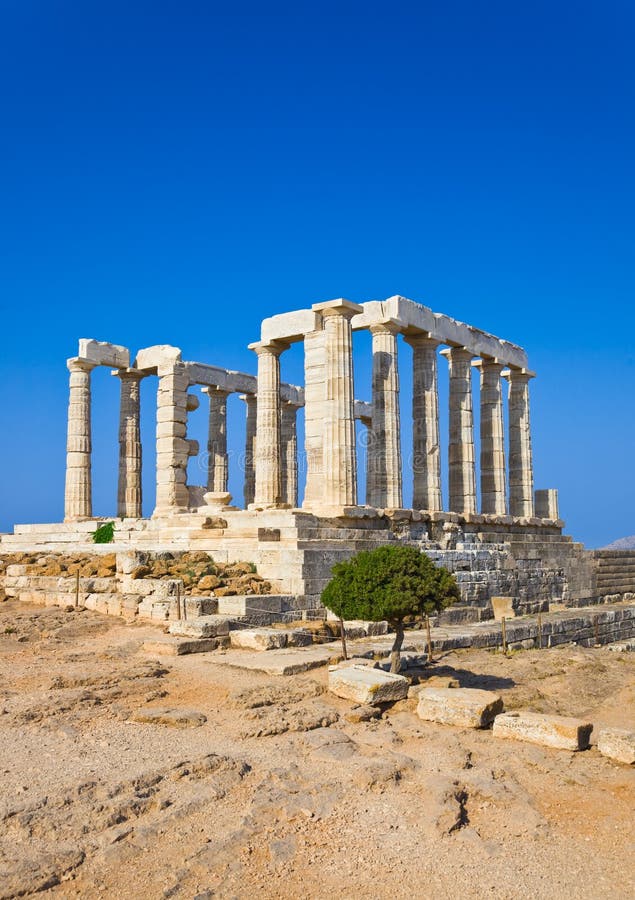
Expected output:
(122, 775)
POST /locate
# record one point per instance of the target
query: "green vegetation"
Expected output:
(105, 534)
(392, 583)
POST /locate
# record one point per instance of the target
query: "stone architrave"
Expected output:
(217, 463)
(493, 481)
(129, 493)
(289, 453)
(250, 448)
(462, 473)
(385, 446)
(521, 474)
(339, 487)
(78, 490)
(426, 453)
(173, 449)
(268, 469)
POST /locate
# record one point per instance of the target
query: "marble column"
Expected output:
(367, 422)
(250, 448)
(521, 475)
(217, 463)
(426, 453)
(129, 484)
(267, 460)
(493, 481)
(289, 452)
(386, 433)
(314, 393)
(78, 491)
(462, 472)
(339, 451)
(173, 449)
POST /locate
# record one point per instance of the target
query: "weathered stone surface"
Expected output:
(258, 638)
(366, 685)
(465, 707)
(177, 718)
(503, 607)
(617, 744)
(276, 662)
(201, 626)
(560, 732)
(173, 646)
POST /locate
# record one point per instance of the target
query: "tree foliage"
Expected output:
(391, 583)
(105, 534)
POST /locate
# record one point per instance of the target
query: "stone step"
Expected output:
(559, 732)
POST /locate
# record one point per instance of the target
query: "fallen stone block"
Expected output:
(201, 626)
(366, 685)
(299, 638)
(258, 638)
(617, 744)
(437, 681)
(560, 732)
(465, 707)
(181, 647)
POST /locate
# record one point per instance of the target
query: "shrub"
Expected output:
(393, 582)
(105, 534)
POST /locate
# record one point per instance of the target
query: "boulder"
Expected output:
(465, 707)
(560, 732)
(366, 685)
(617, 744)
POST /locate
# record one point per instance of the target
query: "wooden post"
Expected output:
(540, 631)
(178, 602)
(77, 589)
(184, 602)
(429, 639)
(504, 633)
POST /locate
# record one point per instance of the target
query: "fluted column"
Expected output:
(426, 453)
(217, 465)
(339, 452)
(250, 448)
(129, 494)
(173, 448)
(367, 422)
(462, 473)
(268, 480)
(289, 451)
(386, 433)
(493, 487)
(78, 491)
(521, 474)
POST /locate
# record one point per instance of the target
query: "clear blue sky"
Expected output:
(172, 172)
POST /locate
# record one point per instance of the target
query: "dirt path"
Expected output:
(277, 793)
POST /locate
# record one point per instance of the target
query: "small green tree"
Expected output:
(105, 534)
(390, 583)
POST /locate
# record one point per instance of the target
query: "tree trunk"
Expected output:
(343, 636)
(395, 654)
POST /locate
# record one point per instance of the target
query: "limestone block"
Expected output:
(560, 732)
(179, 647)
(258, 638)
(465, 707)
(104, 354)
(201, 626)
(617, 744)
(503, 606)
(366, 685)
(192, 402)
(158, 355)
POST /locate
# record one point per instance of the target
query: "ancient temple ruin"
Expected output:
(512, 545)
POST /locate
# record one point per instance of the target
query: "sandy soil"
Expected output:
(122, 775)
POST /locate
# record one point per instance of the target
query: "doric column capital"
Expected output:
(518, 376)
(488, 365)
(456, 354)
(213, 390)
(340, 307)
(389, 326)
(128, 374)
(421, 339)
(268, 348)
(79, 364)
